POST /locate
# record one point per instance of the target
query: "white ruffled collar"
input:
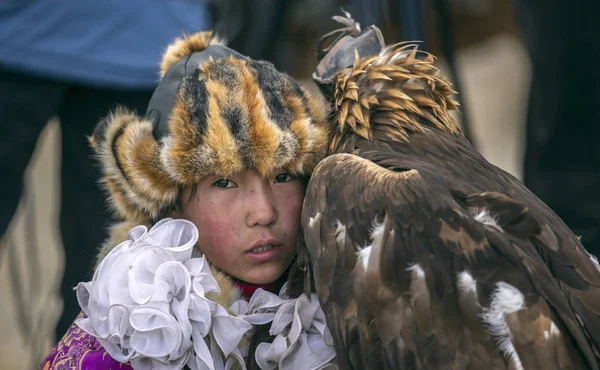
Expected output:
(147, 305)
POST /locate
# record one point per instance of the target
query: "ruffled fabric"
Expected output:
(302, 340)
(147, 305)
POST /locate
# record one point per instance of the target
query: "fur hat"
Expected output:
(214, 112)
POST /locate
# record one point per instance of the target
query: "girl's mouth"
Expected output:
(262, 249)
(264, 253)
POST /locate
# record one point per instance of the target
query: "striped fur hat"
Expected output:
(214, 112)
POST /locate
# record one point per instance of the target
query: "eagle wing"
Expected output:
(412, 274)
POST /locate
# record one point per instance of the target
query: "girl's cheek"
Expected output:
(294, 209)
(215, 234)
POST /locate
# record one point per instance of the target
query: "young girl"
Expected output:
(214, 175)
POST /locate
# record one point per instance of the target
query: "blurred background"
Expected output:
(479, 43)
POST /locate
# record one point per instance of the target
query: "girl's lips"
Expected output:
(264, 253)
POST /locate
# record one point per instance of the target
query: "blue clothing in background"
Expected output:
(113, 43)
(77, 60)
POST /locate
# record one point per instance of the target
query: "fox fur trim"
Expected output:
(185, 46)
(231, 114)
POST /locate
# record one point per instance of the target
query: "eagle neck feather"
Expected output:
(392, 95)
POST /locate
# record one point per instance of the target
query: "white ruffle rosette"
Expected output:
(147, 305)
(302, 339)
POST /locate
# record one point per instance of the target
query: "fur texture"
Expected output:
(185, 46)
(230, 115)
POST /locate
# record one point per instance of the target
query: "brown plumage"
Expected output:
(426, 256)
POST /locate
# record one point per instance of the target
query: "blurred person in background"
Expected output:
(77, 60)
(562, 158)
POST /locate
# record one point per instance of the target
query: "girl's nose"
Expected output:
(261, 205)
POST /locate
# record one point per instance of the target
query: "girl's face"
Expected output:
(248, 224)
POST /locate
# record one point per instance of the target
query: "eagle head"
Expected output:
(385, 95)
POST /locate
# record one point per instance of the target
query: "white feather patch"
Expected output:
(466, 283)
(376, 237)
(506, 299)
(377, 233)
(485, 218)
(552, 332)
(416, 270)
(420, 298)
(363, 256)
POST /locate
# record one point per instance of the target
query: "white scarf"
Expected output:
(147, 305)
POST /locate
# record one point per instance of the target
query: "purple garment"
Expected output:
(77, 350)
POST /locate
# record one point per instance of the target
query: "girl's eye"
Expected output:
(284, 177)
(224, 183)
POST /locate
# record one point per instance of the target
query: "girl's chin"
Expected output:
(262, 276)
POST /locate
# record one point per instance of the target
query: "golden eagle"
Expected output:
(424, 255)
